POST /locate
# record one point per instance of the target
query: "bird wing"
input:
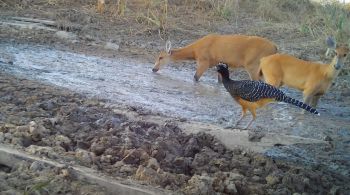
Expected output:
(255, 90)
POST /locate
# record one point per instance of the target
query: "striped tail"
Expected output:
(299, 104)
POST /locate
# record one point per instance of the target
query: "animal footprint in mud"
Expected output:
(255, 135)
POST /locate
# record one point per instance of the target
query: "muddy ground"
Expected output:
(52, 109)
(68, 127)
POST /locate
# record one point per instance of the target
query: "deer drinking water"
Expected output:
(234, 50)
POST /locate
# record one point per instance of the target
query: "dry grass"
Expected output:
(330, 19)
(313, 19)
(164, 16)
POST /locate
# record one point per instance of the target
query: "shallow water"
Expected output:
(172, 92)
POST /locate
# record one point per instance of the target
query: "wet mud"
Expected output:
(85, 129)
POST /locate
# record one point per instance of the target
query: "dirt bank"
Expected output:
(67, 127)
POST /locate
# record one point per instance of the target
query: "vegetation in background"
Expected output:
(316, 19)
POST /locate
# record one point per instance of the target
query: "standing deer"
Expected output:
(312, 78)
(234, 50)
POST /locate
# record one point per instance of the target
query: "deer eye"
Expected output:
(160, 58)
(344, 55)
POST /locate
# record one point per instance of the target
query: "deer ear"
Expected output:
(168, 47)
(331, 43)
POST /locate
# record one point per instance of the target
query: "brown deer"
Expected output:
(313, 78)
(234, 50)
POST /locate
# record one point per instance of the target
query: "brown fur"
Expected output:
(234, 50)
(314, 79)
(101, 6)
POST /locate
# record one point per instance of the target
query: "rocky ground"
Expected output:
(67, 127)
(63, 126)
(34, 178)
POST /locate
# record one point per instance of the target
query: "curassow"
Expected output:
(255, 94)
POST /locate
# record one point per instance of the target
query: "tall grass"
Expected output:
(155, 13)
(329, 19)
(316, 19)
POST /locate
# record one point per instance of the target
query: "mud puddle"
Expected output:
(173, 93)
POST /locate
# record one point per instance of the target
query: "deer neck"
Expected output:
(185, 53)
(331, 72)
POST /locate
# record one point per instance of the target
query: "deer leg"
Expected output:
(253, 72)
(308, 97)
(252, 67)
(202, 66)
(315, 100)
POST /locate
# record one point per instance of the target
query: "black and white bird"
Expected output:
(255, 94)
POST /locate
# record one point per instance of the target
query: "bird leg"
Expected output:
(253, 119)
(250, 123)
(239, 120)
(230, 124)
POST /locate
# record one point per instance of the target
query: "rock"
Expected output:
(231, 188)
(118, 164)
(258, 172)
(41, 150)
(64, 142)
(202, 159)
(327, 138)
(83, 145)
(200, 185)
(36, 166)
(16, 141)
(135, 156)
(234, 176)
(106, 158)
(272, 179)
(127, 169)
(24, 128)
(295, 182)
(24, 141)
(8, 136)
(54, 121)
(111, 46)
(148, 174)
(153, 164)
(256, 178)
(83, 156)
(37, 131)
(219, 184)
(159, 154)
(47, 105)
(89, 38)
(65, 35)
(64, 173)
(97, 148)
(191, 147)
